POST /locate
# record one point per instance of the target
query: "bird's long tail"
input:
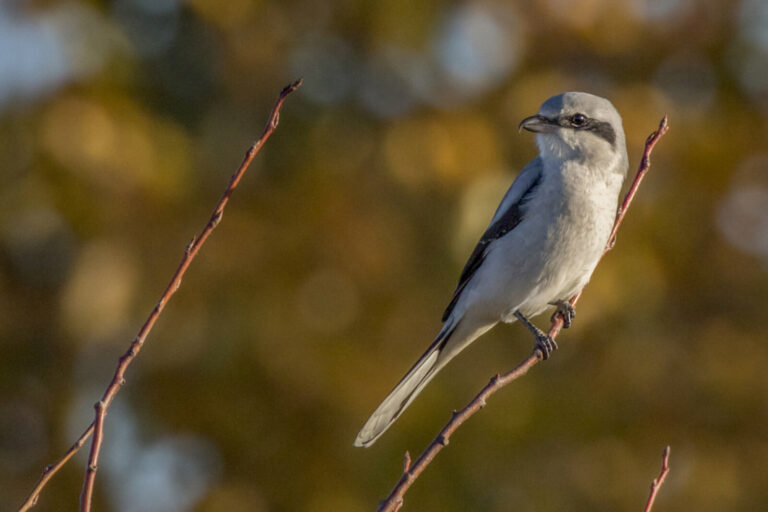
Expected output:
(449, 342)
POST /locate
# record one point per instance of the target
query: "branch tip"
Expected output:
(292, 87)
(665, 457)
(656, 483)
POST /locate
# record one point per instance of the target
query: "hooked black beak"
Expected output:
(537, 124)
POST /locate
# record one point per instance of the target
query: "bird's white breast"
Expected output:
(551, 254)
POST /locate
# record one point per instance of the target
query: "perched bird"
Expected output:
(541, 246)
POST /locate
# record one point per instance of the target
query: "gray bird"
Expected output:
(541, 246)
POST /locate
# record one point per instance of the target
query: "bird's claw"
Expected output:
(546, 344)
(566, 310)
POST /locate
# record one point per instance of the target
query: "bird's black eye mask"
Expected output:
(580, 121)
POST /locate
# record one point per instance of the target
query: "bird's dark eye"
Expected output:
(578, 120)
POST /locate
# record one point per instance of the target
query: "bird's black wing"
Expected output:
(507, 217)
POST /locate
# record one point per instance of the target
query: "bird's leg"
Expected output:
(566, 310)
(544, 341)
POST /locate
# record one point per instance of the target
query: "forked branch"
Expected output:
(101, 407)
(394, 501)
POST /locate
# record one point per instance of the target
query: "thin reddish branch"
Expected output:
(645, 164)
(658, 482)
(101, 407)
(394, 501)
(406, 468)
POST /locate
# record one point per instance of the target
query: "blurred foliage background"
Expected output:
(120, 124)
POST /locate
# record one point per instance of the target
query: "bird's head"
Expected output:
(578, 125)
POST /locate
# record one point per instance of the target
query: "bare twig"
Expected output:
(658, 482)
(395, 499)
(101, 407)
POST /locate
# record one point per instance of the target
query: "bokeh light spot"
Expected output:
(478, 46)
(96, 300)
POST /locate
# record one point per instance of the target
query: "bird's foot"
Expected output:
(566, 310)
(544, 343)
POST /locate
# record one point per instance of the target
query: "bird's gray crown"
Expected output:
(602, 119)
(579, 102)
